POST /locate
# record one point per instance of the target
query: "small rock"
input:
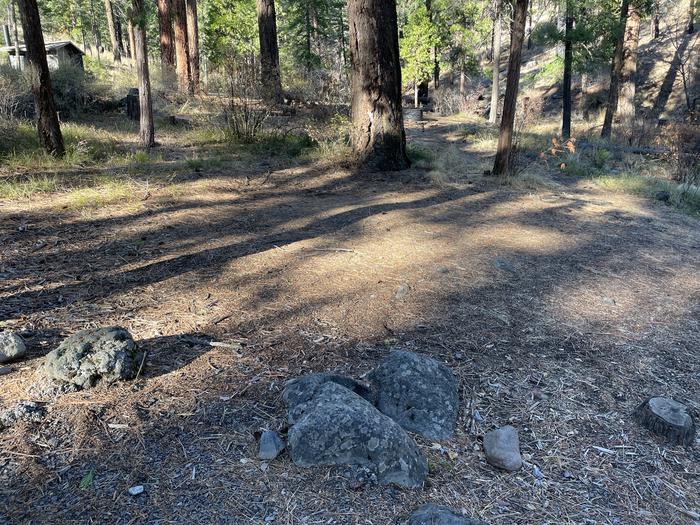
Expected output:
(11, 346)
(136, 490)
(90, 357)
(417, 392)
(430, 514)
(4, 370)
(271, 444)
(505, 265)
(663, 196)
(28, 411)
(442, 269)
(402, 291)
(502, 448)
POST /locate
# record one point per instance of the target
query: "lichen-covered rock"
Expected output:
(90, 357)
(11, 346)
(300, 389)
(502, 448)
(23, 411)
(338, 427)
(417, 392)
(430, 514)
(668, 418)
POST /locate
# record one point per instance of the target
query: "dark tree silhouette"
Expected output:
(615, 73)
(48, 126)
(269, 51)
(505, 136)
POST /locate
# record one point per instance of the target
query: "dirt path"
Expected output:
(559, 312)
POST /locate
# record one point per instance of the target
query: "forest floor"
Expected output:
(560, 308)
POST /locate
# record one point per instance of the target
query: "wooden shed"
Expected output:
(57, 54)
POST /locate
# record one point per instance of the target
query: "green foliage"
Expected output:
(419, 37)
(229, 30)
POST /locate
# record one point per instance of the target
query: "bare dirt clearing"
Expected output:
(558, 311)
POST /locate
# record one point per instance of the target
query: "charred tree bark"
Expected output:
(182, 52)
(496, 76)
(120, 37)
(112, 31)
(193, 43)
(48, 127)
(615, 73)
(378, 135)
(146, 128)
(269, 51)
(165, 30)
(568, 63)
(628, 76)
(505, 136)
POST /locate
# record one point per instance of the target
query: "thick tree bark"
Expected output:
(496, 76)
(568, 63)
(628, 77)
(146, 128)
(48, 126)
(269, 51)
(182, 52)
(378, 136)
(505, 136)
(165, 26)
(112, 31)
(615, 73)
(193, 43)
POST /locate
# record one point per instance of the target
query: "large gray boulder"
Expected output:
(90, 357)
(430, 514)
(338, 427)
(11, 346)
(301, 389)
(417, 392)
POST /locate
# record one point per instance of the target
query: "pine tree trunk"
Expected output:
(626, 107)
(529, 26)
(120, 37)
(146, 128)
(182, 52)
(615, 73)
(130, 32)
(193, 43)
(496, 77)
(269, 51)
(462, 80)
(48, 127)
(505, 136)
(112, 31)
(165, 27)
(568, 63)
(378, 136)
(96, 32)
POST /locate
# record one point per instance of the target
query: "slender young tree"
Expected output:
(505, 135)
(95, 31)
(130, 33)
(193, 43)
(48, 126)
(568, 66)
(378, 135)
(165, 27)
(628, 80)
(496, 61)
(138, 20)
(182, 52)
(112, 31)
(15, 31)
(615, 72)
(269, 51)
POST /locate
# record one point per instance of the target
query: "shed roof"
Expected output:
(50, 46)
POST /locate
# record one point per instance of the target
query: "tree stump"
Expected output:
(133, 110)
(667, 418)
